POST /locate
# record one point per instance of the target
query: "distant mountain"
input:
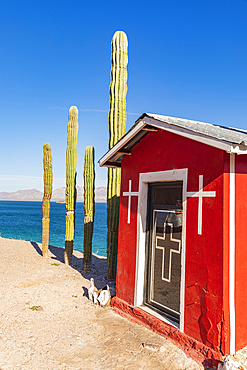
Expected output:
(57, 195)
(30, 194)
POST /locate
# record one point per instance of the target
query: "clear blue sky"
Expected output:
(187, 59)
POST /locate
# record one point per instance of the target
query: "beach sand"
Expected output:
(48, 323)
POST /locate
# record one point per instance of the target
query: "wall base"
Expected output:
(192, 348)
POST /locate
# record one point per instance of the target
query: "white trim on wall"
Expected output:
(144, 179)
(232, 254)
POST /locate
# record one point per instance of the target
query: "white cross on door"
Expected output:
(166, 246)
(130, 194)
(200, 194)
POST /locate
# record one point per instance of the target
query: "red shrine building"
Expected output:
(182, 247)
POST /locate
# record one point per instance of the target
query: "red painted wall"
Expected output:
(204, 253)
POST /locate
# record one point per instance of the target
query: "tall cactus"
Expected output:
(71, 160)
(117, 127)
(89, 205)
(47, 160)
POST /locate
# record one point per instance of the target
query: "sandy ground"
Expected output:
(48, 323)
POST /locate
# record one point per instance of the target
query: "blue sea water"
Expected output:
(23, 220)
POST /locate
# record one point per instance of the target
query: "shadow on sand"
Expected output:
(98, 270)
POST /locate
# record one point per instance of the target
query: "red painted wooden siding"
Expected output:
(204, 253)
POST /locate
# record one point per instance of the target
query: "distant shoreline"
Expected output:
(58, 195)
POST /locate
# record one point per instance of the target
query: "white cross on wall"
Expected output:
(130, 194)
(200, 194)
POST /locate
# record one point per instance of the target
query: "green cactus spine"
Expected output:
(71, 160)
(47, 160)
(89, 205)
(117, 127)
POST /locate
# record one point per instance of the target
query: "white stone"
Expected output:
(104, 297)
(229, 364)
(91, 289)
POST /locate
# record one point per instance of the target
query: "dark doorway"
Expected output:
(164, 245)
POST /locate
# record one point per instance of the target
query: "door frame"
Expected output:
(144, 180)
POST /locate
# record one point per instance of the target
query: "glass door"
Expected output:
(163, 278)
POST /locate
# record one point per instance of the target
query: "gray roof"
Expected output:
(231, 135)
(229, 139)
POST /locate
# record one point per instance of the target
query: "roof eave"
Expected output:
(227, 146)
(146, 120)
(120, 144)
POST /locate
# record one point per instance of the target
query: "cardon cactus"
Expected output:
(117, 127)
(71, 160)
(47, 160)
(89, 205)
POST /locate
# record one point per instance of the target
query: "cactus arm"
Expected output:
(117, 127)
(89, 205)
(71, 161)
(48, 178)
